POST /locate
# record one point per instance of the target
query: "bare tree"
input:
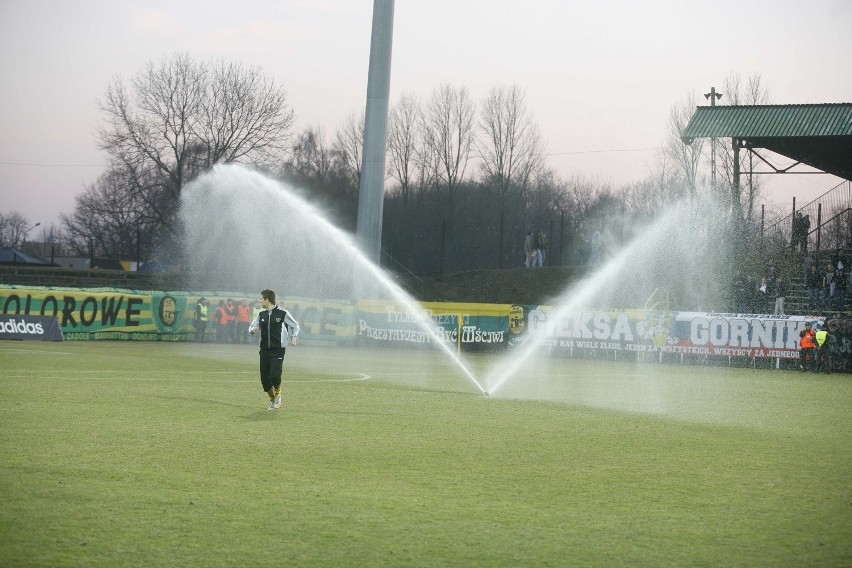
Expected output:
(404, 136)
(427, 167)
(323, 176)
(311, 158)
(754, 92)
(448, 126)
(686, 157)
(111, 220)
(13, 229)
(348, 147)
(5, 237)
(246, 116)
(180, 117)
(449, 131)
(664, 185)
(510, 146)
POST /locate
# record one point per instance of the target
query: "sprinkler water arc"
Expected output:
(265, 233)
(664, 241)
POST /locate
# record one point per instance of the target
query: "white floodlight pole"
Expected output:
(372, 190)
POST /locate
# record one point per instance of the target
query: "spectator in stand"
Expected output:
(750, 295)
(596, 243)
(794, 234)
(741, 288)
(780, 293)
(537, 259)
(771, 277)
(839, 260)
(841, 263)
(763, 294)
(813, 279)
(529, 252)
(806, 348)
(796, 238)
(805, 232)
(806, 266)
(840, 286)
(834, 346)
(582, 250)
(543, 245)
(842, 330)
(828, 287)
(771, 274)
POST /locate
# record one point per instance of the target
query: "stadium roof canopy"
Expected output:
(817, 135)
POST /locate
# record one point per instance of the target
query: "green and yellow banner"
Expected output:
(111, 313)
(106, 313)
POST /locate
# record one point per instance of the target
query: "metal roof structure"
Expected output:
(818, 135)
(9, 255)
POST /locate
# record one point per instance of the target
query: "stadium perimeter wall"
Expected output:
(122, 314)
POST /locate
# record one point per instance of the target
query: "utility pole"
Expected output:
(713, 96)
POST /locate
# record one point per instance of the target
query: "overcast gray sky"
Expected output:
(600, 76)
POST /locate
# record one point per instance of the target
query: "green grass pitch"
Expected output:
(157, 454)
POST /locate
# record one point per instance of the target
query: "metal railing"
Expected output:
(405, 278)
(830, 221)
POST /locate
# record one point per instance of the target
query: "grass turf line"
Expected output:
(157, 454)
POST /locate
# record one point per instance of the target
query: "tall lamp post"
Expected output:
(25, 232)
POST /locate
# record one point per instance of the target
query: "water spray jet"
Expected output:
(245, 231)
(661, 252)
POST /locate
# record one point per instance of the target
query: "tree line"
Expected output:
(466, 179)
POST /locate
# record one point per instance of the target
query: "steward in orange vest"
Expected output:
(222, 318)
(806, 348)
(243, 320)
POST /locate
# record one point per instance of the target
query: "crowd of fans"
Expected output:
(826, 285)
(826, 341)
